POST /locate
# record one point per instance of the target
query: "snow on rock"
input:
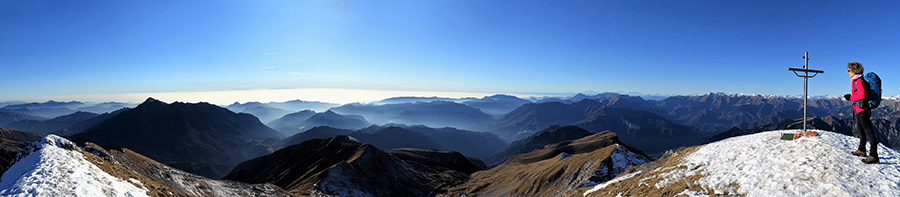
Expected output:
(764, 165)
(617, 163)
(53, 167)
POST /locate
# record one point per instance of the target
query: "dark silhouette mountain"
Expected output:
(84, 125)
(47, 126)
(289, 124)
(343, 166)
(200, 138)
(11, 143)
(550, 135)
(7, 117)
(432, 114)
(497, 104)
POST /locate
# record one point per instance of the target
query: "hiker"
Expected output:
(863, 114)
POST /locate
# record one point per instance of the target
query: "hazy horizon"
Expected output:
(365, 51)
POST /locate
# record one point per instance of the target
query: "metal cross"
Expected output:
(806, 77)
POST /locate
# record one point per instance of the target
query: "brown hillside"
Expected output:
(550, 177)
(572, 147)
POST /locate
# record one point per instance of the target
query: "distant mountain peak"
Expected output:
(152, 100)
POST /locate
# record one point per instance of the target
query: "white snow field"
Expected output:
(764, 165)
(53, 170)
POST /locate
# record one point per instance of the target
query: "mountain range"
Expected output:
(294, 123)
(432, 114)
(344, 166)
(52, 109)
(266, 112)
(47, 126)
(473, 144)
(645, 130)
(173, 149)
(199, 138)
(495, 105)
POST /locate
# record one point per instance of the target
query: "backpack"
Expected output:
(873, 91)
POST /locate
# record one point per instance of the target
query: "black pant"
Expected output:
(866, 132)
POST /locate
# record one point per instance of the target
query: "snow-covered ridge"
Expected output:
(49, 140)
(54, 167)
(764, 165)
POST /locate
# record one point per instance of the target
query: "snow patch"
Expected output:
(601, 186)
(52, 167)
(764, 165)
(564, 156)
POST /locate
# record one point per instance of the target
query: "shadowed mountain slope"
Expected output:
(199, 138)
(11, 142)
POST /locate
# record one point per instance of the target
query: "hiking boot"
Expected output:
(870, 160)
(859, 153)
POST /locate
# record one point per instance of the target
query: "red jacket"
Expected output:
(858, 93)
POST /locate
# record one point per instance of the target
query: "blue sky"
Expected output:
(124, 50)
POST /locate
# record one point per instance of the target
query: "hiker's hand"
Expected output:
(847, 97)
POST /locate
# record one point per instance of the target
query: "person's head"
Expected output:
(854, 68)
